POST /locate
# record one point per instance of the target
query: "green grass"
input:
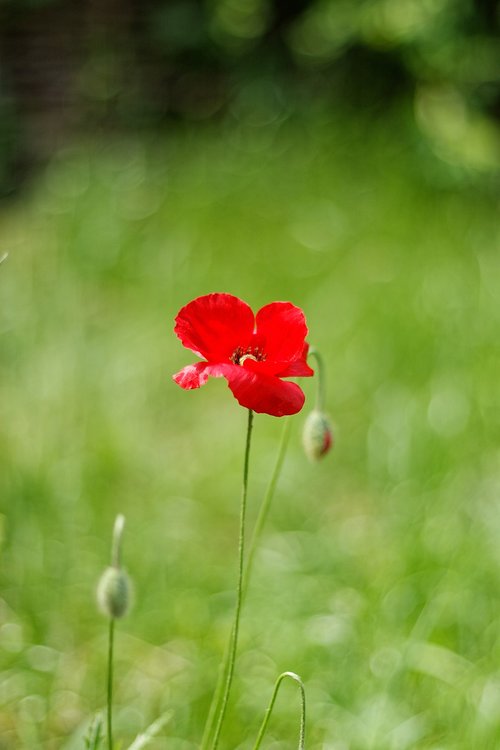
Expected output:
(378, 575)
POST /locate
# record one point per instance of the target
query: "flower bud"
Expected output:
(113, 592)
(317, 436)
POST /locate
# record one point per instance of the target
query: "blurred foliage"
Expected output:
(378, 575)
(68, 66)
(293, 166)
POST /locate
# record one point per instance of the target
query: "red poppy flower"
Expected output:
(252, 352)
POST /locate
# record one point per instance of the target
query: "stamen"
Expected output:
(247, 356)
(240, 354)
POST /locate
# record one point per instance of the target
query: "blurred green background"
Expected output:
(343, 156)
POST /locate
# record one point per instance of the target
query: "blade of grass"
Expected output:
(151, 732)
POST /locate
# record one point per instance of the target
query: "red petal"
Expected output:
(299, 369)
(282, 328)
(214, 325)
(192, 376)
(264, 394)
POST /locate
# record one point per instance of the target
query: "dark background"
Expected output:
(93, 66)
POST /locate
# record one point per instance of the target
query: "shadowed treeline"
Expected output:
(70, 67)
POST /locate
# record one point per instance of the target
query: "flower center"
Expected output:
(241, 354)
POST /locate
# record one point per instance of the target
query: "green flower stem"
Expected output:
(267, 715)
(110, 682)
(266, 503)
(239, 591)
(321, 389)
(259, 525)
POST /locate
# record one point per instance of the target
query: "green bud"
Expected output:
(317, 435)
(113, 592)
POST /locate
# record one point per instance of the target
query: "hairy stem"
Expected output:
(269, 710)
(321, 388)
(239, 590)
(259, 525)
(110, 682)
(266, 503)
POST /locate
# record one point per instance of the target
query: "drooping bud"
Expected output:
(317, 435)
(113, 589)
(113, 592)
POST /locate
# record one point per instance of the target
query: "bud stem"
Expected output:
(266, 503)
(269, 710)
(110, 681)
(321, 388)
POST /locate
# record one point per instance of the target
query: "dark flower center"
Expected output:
(241, 353)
